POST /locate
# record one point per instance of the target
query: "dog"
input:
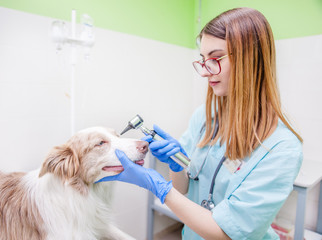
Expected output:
(61, 200)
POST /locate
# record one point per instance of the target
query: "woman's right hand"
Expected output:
(163, 149)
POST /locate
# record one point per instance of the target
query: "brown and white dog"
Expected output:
(61, 200)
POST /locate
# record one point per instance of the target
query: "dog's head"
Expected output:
(90, 155)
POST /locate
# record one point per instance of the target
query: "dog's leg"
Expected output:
(116, 234)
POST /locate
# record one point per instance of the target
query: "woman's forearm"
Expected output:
(194, 216)
(180, 181)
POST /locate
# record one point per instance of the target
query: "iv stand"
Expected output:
(86, 41)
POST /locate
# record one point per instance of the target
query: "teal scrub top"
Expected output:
(246, 201)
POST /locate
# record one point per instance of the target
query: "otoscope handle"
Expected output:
(179, 157)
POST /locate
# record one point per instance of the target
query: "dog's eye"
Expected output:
(101, 143)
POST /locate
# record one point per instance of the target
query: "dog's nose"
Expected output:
(142, 146)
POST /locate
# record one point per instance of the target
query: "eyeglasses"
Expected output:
(211, 64)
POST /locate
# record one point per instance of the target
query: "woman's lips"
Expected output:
(213, 83)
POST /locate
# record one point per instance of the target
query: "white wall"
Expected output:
(299, 72)
(126, 75)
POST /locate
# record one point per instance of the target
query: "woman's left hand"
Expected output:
(143, 177)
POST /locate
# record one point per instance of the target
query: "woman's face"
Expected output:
(212, 47)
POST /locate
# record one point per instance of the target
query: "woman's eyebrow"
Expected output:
(213, 51)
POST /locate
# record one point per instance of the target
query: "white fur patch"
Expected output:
(63, 194)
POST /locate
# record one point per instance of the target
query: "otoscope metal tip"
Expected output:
(128, 127)
(134, 123)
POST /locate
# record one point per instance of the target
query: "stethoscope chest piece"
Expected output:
(208, 204)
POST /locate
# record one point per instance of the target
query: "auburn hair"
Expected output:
(249, 111)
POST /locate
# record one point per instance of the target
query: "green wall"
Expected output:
(288, 18)
(175, 21)
(169, 21)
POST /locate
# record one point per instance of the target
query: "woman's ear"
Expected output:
(61, 161)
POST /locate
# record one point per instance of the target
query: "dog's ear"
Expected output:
(61, 161)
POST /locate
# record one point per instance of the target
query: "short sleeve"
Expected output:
(190, 137)
(248, 212)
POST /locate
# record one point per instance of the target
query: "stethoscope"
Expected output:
(208, 204)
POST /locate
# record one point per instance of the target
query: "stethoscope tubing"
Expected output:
(195, 177)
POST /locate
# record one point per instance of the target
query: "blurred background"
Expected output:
(140, 63)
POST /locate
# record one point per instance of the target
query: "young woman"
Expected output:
(244, 154)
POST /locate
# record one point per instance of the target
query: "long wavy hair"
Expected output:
(249, 111)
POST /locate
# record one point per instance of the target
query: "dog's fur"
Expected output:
(61, 200)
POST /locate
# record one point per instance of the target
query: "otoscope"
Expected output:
(137, 122)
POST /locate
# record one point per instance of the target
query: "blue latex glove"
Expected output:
(143, 177)
(163, 149)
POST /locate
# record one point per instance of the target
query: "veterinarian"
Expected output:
(244, 154)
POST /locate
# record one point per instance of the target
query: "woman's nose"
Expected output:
(204, 72)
